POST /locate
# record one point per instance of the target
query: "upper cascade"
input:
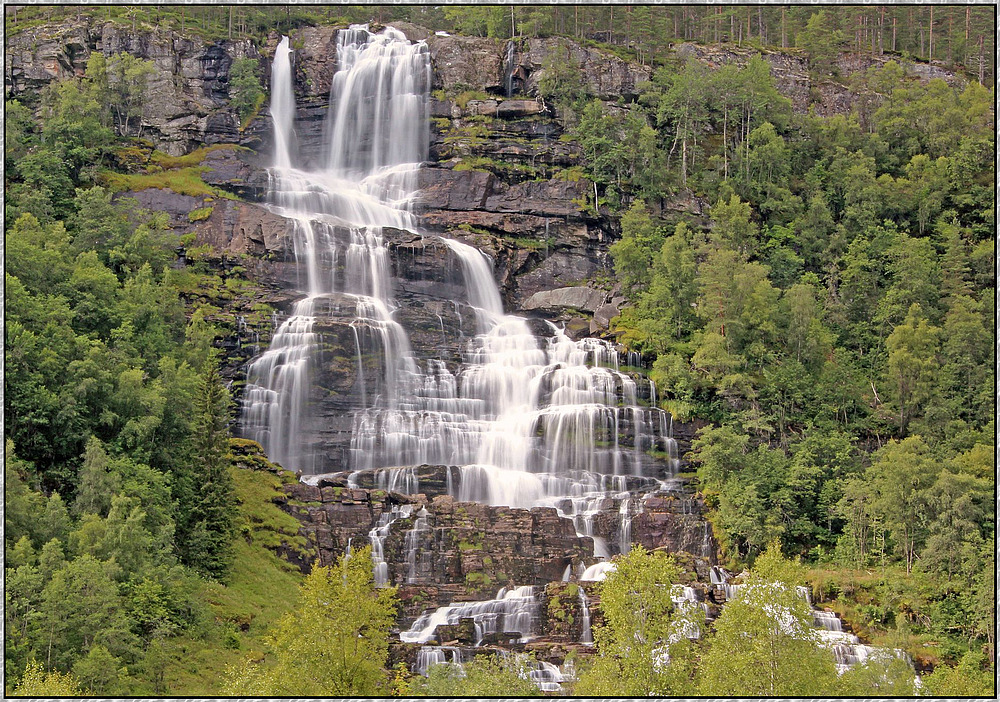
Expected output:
(377, 137)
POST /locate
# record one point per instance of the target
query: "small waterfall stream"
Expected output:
(514, 610)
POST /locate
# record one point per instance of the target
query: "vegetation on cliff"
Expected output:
(958, 35)
(122, 498)
(333, 643)
(833, 316)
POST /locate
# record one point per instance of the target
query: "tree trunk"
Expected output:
(684, 156)
(982, 63)
(930, 46)
(881, 26)
(725, 142)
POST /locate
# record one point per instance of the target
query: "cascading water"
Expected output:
(529, 417)
(586, 634)
(377, 138)
(514, 610)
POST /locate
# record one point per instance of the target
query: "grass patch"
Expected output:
(183, 181)
(531, 244)
(464, 98)
(235, 616)
(192, 159)
(181, 174)
(200, 214)
(498, 168)
(574, 174)
(262, 522)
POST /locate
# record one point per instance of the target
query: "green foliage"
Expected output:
(763, 642)
(200, 214)
(633, 253)
(480, 21)
(620, 148)
(643, 645)
(206, 524)
(967, 679)
(838, 301)
(246, 95)
(484, 676)
(183, 181)
(561, 82)
(913, 364)
(334, 643)
(822, 42)
(36, 682)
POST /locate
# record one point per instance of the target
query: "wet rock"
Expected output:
(245, 228)
(445, 189)
(240, 172)
(603, 315)
(315, 61)
(174, 204)
(579, 297)
(515, 109)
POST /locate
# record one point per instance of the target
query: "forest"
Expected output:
(829, 320)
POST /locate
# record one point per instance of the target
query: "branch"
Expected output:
(877, 400)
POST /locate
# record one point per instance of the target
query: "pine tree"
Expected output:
(205, 490)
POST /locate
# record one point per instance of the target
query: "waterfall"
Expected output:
(529, 418)
(514, 610)
(377, 138)
(625, 528)
(428, 656)
(586, 635)
(598, 571)
(412, 543)
(378, 535)
(508, 70)
(282, 104)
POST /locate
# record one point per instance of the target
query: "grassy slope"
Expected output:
(261, 588)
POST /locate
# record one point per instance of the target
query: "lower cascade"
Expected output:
(511, 611)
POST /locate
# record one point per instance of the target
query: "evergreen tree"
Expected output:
(206, 524)
(97, 483)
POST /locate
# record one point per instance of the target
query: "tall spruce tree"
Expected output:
(205, 490)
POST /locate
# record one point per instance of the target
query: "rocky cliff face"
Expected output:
(440, 551)
(186, 102)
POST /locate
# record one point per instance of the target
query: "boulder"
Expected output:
(578, 297)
